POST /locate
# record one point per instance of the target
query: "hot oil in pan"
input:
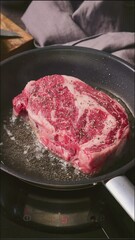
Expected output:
(22, 152)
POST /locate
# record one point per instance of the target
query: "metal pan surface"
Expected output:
(21, 154)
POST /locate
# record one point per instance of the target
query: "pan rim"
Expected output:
(71, 48)
(75, 185)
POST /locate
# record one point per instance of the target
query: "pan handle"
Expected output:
(123, 191)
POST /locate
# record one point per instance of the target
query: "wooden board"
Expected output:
(15, 45)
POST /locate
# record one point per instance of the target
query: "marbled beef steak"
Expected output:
(76, 122)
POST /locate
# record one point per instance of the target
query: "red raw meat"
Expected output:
(78, 123)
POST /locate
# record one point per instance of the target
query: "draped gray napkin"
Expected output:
(50, 22)
(103, 25)
(120, 44)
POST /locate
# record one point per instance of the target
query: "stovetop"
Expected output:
(27, 211)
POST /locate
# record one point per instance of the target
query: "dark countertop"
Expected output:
(14, 10)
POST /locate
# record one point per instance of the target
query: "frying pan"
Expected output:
(94, 67)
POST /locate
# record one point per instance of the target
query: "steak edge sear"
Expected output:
(78, 123)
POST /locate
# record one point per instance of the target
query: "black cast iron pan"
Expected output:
(20, 156)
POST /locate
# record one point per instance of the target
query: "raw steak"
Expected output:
(78, 123)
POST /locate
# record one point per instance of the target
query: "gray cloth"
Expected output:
(120, 44)
(98, 16)
(94, 24)
(50, 22)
